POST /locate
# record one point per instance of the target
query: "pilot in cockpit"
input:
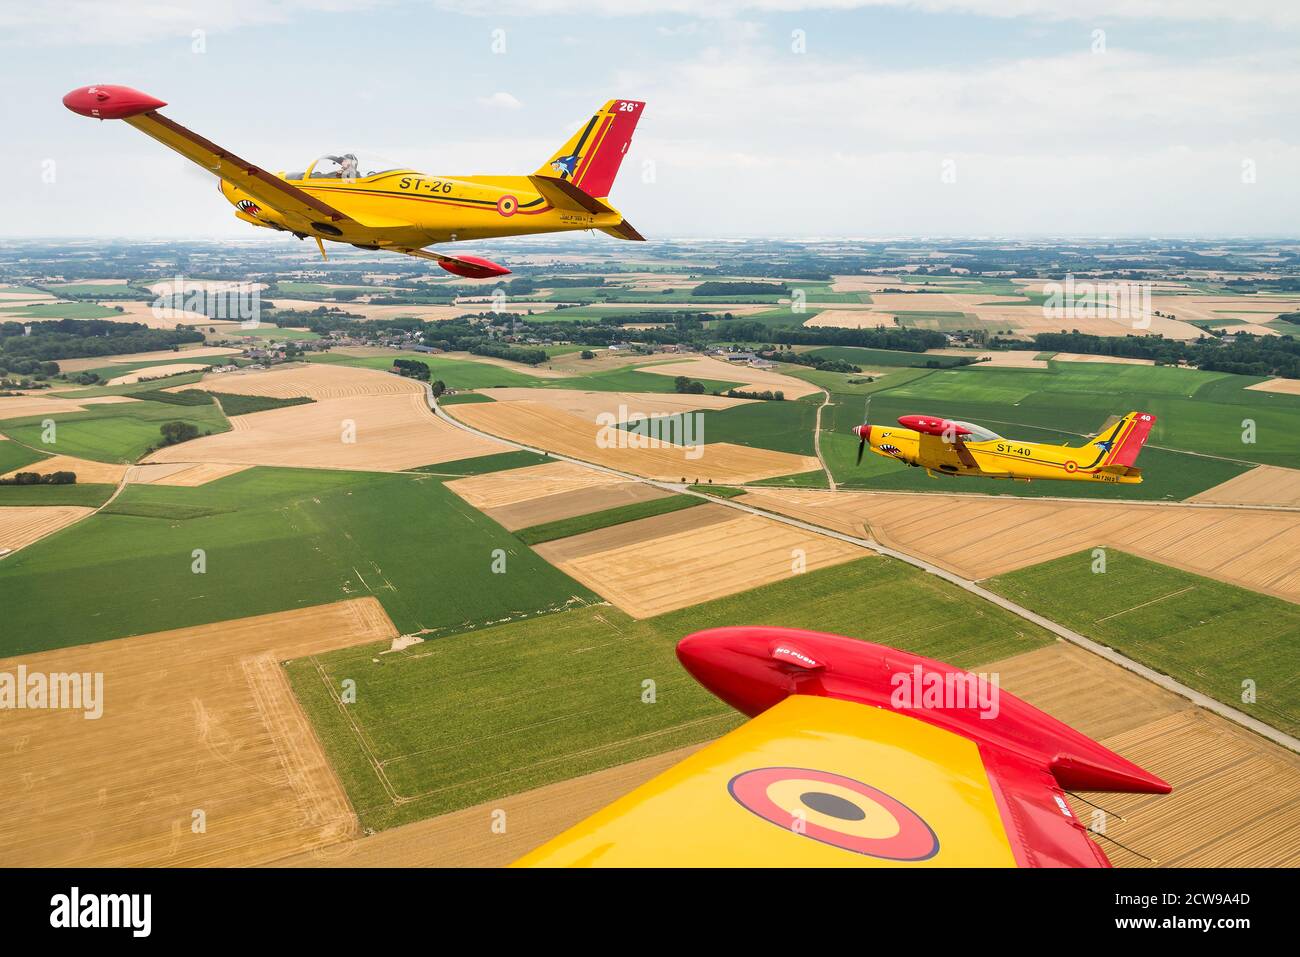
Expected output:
(347, 166)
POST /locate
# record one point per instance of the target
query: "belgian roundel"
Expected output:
(836, 810)
(507, 205)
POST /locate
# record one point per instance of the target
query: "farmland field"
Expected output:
(470, 717)
(80, 493)
(1212, 636)
(274, 539)
(121, 432)
(577, 524)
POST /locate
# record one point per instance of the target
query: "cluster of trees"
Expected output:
(35, 478)
(412, 369)
(821, 363)
(1240, 353)
(174, 433)
(715, 288)
(688, 386)
(766, 395)
(528, 355)
(80, 338)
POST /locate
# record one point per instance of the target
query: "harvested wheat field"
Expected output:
(654, 565)
(193, 719)
(135, 310)
(1262, 485)
(21, 525)
(377, 433)
(539, 425)
(18, 406)
(182, 473)
(87, 471)
(314, 380)
(96, 362)
(467, 839)
(978, 537)
(1000, 359)
(753, 380)
(156, 372)
(1285, 386)
(1234, 800)
(497, 490)
(553, 508)
(626, 406)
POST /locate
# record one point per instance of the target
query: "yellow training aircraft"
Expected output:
(946, 447)
(345, 200)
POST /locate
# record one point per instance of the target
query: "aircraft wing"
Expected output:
(141, 111)
(840, 772)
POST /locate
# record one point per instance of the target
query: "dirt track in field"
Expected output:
(978, 537)
(21, 525)
(539, 425)
(654, 565)
(193, 719)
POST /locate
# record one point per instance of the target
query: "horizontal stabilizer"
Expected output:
(624, 230)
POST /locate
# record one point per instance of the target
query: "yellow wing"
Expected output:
(811, 782)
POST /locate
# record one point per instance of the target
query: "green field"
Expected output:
(464, 398)
(112, 433)
(232, 403)
(275, 539)
(785, 426)
(1207, 634)
(102, 290)
(576, 525)
(91, 494)
(15, 456)
(455, 373)
(884, 358)
(482, 464)
(476, 716)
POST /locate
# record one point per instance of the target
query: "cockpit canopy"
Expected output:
(345, 166)
(977, 432)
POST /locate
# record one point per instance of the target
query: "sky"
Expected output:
(784, 118)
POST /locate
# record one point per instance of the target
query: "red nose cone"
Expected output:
(862, 431)
(473, 267)
(110, 102)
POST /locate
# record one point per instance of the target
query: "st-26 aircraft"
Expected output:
(343, 199)
(947, 447)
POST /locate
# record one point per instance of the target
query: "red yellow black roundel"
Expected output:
(507, 205)
(1071, 466)
(836, 810)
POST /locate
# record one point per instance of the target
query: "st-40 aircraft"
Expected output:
(343, 199)
(948, 447)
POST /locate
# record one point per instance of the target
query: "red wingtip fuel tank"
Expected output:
(473, 267)
(753, 668)
(930, 425)
(110, 102)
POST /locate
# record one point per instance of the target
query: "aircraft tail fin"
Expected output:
(591, 157)
(1127, 437)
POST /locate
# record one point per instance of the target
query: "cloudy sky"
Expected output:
(795, 118)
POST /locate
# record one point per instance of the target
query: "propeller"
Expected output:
(864, 430)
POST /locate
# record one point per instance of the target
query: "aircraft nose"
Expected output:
(862, 431)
